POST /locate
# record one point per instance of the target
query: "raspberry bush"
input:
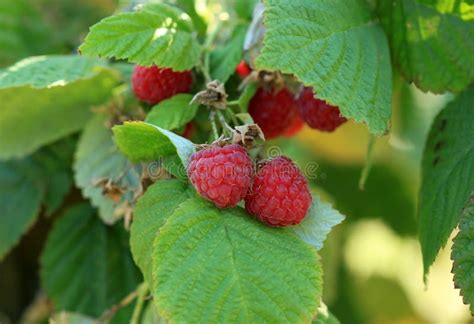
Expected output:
(180, 164)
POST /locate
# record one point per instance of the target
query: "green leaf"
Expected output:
(155, 34)
(54, 163)
(246, 96)
(335, 47)
(86, 265)
(225, 58)
(25, 184)
(20, 200)
(50, 71)
(447, 176)
(173, 113)
(431, 42)
(31, 117)
(220, 265)
(98, 160)
(462, 254)
(152, 210)
(317, 224)
(140, 141)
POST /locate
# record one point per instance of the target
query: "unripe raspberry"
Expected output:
(243, 69)
(272, 111)
(221, 174)
(317, 113)
(279, 195)
(154, 84)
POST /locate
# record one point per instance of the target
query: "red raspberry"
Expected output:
(221, 174)
(295, 127)
(188, 130)
(317, 113)
(272, 111)
(154, 84)
(279, 195)
(243, 69)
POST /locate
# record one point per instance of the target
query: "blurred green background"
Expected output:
(372, 262)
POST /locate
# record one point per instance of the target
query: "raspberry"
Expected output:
(243, 69)
(272, 111)
(221, 174)
(154, 84)
(188, 130)
(279, 195)
(317, 113)
(295, 127)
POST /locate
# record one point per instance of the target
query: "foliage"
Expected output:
(183, 259)
(448, 174)
(463, 255)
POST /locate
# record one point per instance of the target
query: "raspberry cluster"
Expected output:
(279, 113)
(278, 196)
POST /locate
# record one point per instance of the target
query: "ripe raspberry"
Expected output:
(279, 195)
(154, 84)
(243, 69)
(221, 174)
(295, 127)
(272, 111)
(317, 113)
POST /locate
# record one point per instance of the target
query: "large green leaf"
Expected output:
(140, 141)
(86, 265)
(152, 210)
(448, 174)
(213, 265)
(154, 34)
(98, 160)
(173, 113)
(431, 41)
(225, 58)
(335, 47)
(32, 117)
(54, 169)
(317, 224)
(462, 254)
(20, 200)
(25, 184)
(50, 71)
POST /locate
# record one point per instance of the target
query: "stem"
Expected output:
(207, 52)
(212, 118)
(233, 103)
(368, 162)
(142, 292)
(227, 129)
(232, 117)
(108, 314)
